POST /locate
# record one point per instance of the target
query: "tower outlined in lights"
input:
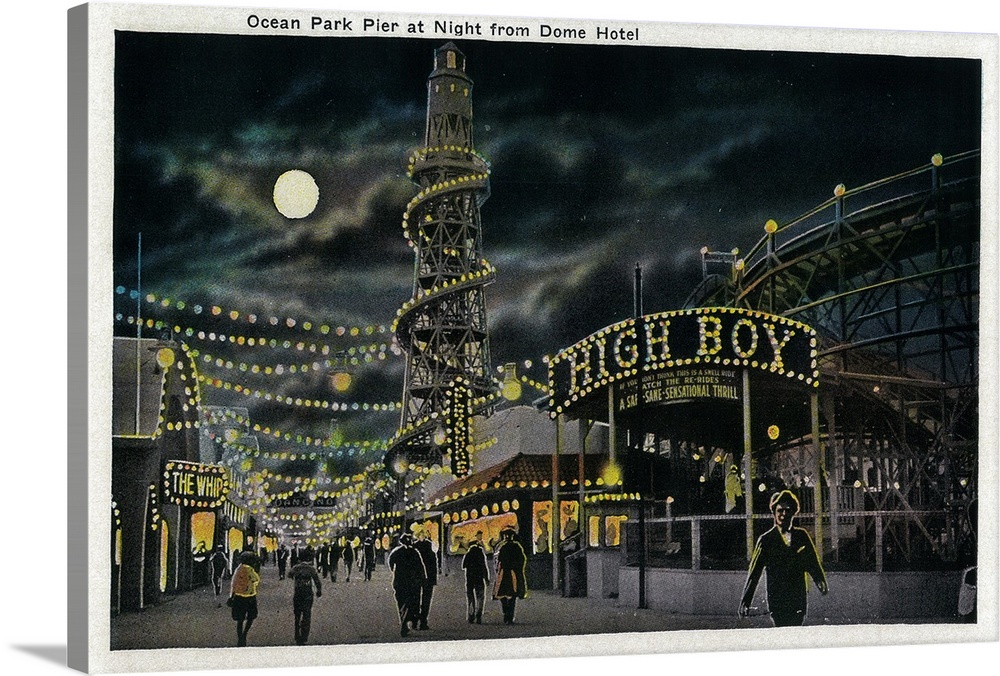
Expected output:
(442, 328)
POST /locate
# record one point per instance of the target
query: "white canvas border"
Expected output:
(216, 19)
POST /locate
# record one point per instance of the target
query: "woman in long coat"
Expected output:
(510, 583)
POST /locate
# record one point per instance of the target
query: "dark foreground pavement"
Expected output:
(365, 612)
(359, 612)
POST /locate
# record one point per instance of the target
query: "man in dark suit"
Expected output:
(306, 577)
(368, 551)
(219, 562)
(323, 560)
(429, 558)
(788, 555)
(477, 574)
(348, 559)
(282, 561)
(408, 578)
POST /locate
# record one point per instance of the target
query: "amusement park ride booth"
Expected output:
(517, 493)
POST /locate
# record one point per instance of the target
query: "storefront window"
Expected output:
(541, 527)
(569, 518)
(235, 540)
(462, 534)
(594, 531)
(202, 534)
(613, 530)
(429, 527)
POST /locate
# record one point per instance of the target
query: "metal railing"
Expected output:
(867, 540)
(865, 200)
(878, 194)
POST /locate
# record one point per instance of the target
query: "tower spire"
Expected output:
(442, 327)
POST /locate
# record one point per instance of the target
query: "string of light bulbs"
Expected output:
(354, 355)
(376, 351)
(424, 297)
(297, 402)
(342, 447)
(246, 452)
(235, 315)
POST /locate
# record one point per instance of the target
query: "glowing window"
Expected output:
(612, 530)
(235, 538)
(541, 531)
(164, 552)
(594, 531)
(202, 532)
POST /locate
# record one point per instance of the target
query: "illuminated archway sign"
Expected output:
(720, 377)
(681, 356)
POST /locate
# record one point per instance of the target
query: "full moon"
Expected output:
(296, 194)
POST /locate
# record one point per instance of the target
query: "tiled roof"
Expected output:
(521, 471)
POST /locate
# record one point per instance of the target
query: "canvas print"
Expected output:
(433, 329)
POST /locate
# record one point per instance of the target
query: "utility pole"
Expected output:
(640, 443)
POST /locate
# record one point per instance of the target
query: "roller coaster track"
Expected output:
(888, 275)
(899, 271)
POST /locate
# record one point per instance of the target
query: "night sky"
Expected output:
(602, 157)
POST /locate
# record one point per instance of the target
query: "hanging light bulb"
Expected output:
(165, 357)
(511, 387)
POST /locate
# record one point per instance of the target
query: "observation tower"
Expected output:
(442, 328)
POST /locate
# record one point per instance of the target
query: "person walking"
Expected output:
(429, 557)
(408, 577)
(282, 557)
(788, 555)
(305, 576)
(368, 551)
(348, 559)
(510, 583)
(477, 575)
(323, 560)
(336, 551)
(254, 558)
(243, 596)
(219, 563)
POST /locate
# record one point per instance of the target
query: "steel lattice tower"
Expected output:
(442, 327)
